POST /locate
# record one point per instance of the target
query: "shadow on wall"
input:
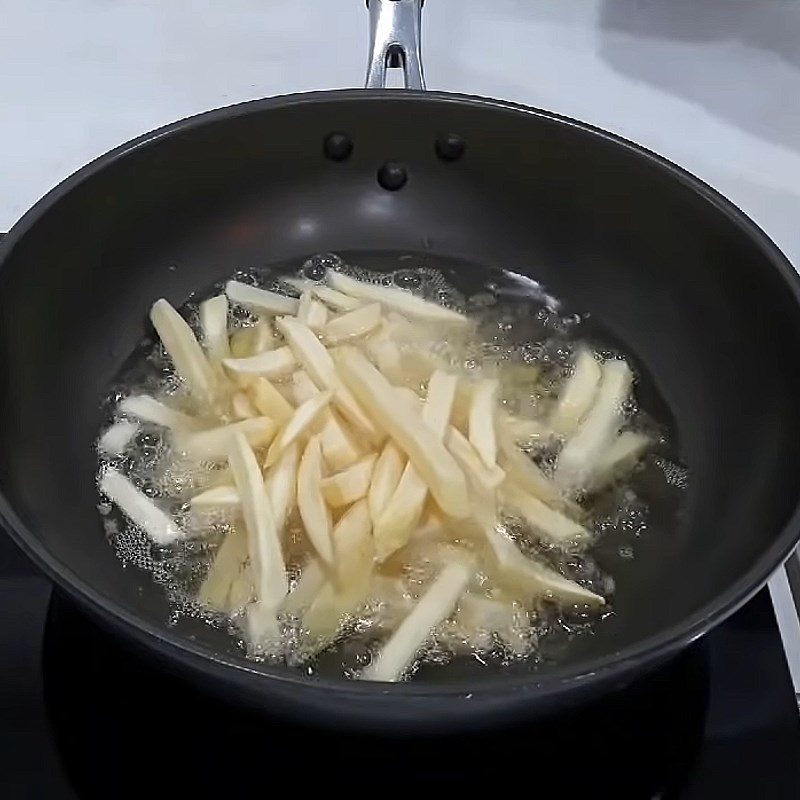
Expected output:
(741, 59)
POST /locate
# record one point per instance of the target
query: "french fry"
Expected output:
(225, 569)
(139, 508)
(263, 542)
(352, 324)
(353, 547)
(398, 299)
(316, 360)
(385, 477)
(214, 443)
(303, 388)
(148, 409)
(314, 512)
(242, 407)
(528, 580)
(438, 602)
(302, 419)
(269, 364)
(550, 524)
(252, 341)
(471, 463)
(214, 325)
(578, 394)
(403, 511)
(225, 496)
(338, 446)
(350, 485)
(183, 348)
(311, 312)
(269, 401)
(481, 421)
(281, 484)
(579, 459)
(260, 299)
(427, 453)
(621, 456)
(335, 300)
(117, 437)
(311, 580)
(529, 477)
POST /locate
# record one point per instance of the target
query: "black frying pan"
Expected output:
(705, 303)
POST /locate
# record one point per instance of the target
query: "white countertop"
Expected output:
(711, 84)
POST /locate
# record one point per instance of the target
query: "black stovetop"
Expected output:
(84, 717)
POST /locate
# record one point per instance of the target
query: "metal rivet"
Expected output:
(450, 146)
(392, 176)
(338, 146)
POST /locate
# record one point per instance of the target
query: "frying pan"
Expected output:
(701, 299)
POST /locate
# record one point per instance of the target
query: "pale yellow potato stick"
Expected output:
(427, 453)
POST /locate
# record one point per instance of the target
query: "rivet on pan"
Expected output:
(392, 176)
(450, 146)
(338, 146)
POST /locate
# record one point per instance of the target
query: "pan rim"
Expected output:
(600, 670)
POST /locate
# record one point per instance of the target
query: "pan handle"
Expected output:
(395, 41)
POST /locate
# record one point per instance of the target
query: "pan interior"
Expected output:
(682, 283)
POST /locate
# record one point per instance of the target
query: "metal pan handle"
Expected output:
(395, 41)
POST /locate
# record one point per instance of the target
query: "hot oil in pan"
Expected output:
(519, 324)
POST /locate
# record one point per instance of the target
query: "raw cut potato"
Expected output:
(302, 419)
(269, 364)
(252, 341)
(183, 348)
(225, 569)
(217, 497)
(260, 299)
(114, 441)
(303, 388)
(139, 508)
(315, 514)
(350, 485)
(481, 421)
(623, 454)
(385, 477)
(521, 469)
(428, 455)
(339, 449)
(577, 396)
(311, 312)
(438, 602)
(148, 409)
(354, 323)
(319, 365)
(335, 300)
(527, 579)
(269, 401)
(263, 542)
(214, 325)
(349, 588)
(281, 484)
(241, 406)
(547, 522)
(579, 459)
(214, 444)
(469, 461)
(403, 511)
(399, 299)
(308, 586)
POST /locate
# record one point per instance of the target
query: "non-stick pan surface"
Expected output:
(695, 292)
